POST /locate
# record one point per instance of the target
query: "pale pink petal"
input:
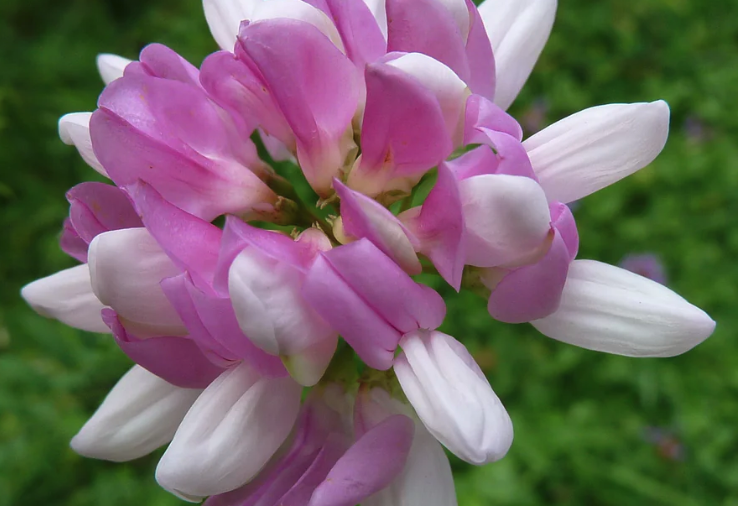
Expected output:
(67, 296)
(506, 218)
(111, 66)
(518, 30)
(361, 35)
(597, 147)
(479, 54)
(74, 130)
(71, 243)
(126, 269)
(140, 414)
(605, 308)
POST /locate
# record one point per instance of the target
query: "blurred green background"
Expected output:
(590, 429)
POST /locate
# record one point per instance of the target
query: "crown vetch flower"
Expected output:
(376, 101)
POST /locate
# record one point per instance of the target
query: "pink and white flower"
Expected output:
(227, 325)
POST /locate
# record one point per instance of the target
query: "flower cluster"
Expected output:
(230, 321)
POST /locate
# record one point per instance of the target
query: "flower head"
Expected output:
(228, 324)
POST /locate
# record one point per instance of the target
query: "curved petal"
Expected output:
(177, 360)
(371, 464)
(224, 19)
(361, 35)
(605, 308)
(452, 397)
(160, 61)
(126, 269)
(67, 296)
(111, 66)
(518, 30)
(96, 208)
(506, 218)
(597, 147)
(533, 291)
(403, 134)
(480, 56)
(71, 243)
(315, 87)
(140, 414)
(429, 27)
(229, 434)
(365, 217)
(74, 130)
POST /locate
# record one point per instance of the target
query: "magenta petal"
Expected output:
(427, 26)
(192, 244)
(373, 339)
(513, 159)
(483, 113)
(71, 243)
(480, 57)
(175, 289)
(403, 134)
(98, 207)
(237, 88)
(358, 28)
(160, 61)
(371, 464)
(365, 217)
(172, 136)
(440, 227)
(177, 360)
(563, 221)
(533, 291)
(315, 86)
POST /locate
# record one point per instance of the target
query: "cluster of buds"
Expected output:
(230, 321)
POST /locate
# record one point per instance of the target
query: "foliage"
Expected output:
(582, 419)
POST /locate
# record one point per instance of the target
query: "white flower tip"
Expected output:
(72, 125)
(111, 66)
(91, 443)
(167, 481)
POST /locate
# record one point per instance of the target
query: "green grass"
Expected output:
(579, 416)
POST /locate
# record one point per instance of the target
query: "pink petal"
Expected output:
(371, 464)
(97, 207)
(427, 26)
(359, 31)
(480, 57)
(370, 300)
(193, 244)
(365, 217)
(160, 61)
(563, 221)
(315, 87)
(403, 133)
(482, 113)
(174, 359)
(165, 133)
(71, 243)
(440, 227)
(533, 291)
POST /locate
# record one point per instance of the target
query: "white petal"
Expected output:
(140, 414)
(230, 432)
(301, 11)
(452, 397)
(518, 30)
(605, 308)
(68, 297)
(597, 147)
(126, 269)
(450, 91)
(507, 218)
(224, 19)
(74, 130)
(111, 66)
(271, 311)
